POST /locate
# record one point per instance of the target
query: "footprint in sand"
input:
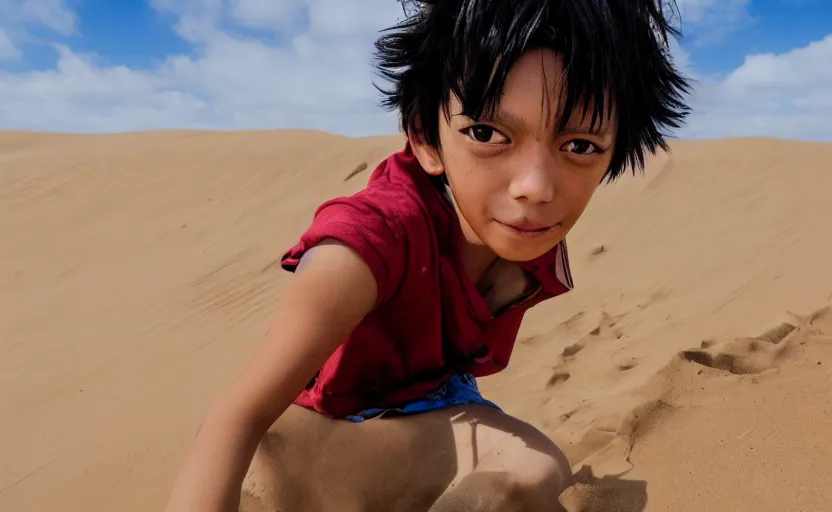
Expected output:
(605, 450)
(560, 376)
(707, 343)
(567, 325)
(605, 331)
(629, 365)
(743, 355)
(571, 350)
(572, 320)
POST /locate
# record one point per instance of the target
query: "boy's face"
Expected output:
(519, 186)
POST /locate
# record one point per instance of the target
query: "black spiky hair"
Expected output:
(615, 55)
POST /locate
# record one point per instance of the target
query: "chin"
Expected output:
(519, 253)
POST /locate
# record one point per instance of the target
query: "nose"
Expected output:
(535, 179)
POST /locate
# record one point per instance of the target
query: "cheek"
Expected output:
(475, 174)
(578, 192)
(476, 188)
(483, 183)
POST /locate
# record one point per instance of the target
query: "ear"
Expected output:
(429, 157)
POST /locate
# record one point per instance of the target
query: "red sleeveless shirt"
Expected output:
(430, 321)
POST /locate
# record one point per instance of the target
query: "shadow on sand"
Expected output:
(606, 494)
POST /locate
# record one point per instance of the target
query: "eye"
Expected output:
(485, 134)
(581, 147)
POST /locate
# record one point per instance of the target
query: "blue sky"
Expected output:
(762, 66)
(771, 26)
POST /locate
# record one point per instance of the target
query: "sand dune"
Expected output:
(690, 369)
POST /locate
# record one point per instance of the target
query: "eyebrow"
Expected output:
(506, 117)
(600, 130)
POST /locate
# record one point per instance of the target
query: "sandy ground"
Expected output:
(690, 369)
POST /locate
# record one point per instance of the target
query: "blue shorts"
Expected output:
(460, 389)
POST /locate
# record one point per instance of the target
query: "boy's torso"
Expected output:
(434, 320)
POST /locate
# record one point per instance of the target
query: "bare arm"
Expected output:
(332, 292)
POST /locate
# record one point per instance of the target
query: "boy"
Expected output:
(514, 111)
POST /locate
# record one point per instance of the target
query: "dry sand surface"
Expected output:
(690, 369)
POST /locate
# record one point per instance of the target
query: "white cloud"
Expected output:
(8, 50)
(784, 95)
(52, 14)
(681, 59)
(266, 14)
(23, 14)
(696, 11)
(320, 77)
(780, 73)
(196, 19)
(709, 20)
(77, 96)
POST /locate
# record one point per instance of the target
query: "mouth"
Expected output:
(528, 228)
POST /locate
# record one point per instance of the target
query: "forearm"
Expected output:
(213, 471)
(322, 305)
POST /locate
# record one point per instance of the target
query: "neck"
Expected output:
(476, 259)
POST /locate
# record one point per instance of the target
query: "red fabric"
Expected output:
(430, 320)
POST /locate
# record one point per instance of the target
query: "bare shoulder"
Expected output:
(332, 254)
(332, 284)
